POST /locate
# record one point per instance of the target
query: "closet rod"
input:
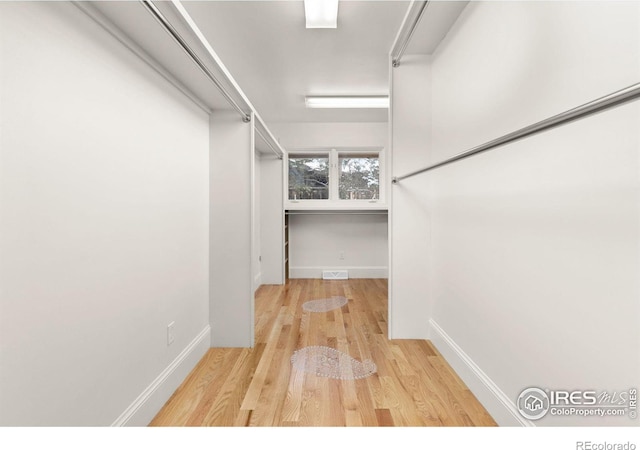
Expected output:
(414, 25)
(269, 144)
(189, 51)
(617, 98)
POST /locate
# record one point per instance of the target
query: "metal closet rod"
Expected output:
(414, 25)
(189, 51)
(617, 98)
(269, 144)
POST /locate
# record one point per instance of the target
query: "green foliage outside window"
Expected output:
(356, 176)
(359, 178)
(308, 178)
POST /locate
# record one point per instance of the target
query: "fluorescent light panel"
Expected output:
(321, 13)
(347, 102)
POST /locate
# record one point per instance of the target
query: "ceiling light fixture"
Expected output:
(321, 13)
(347, 102)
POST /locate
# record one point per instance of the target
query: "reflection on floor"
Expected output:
(412, 385)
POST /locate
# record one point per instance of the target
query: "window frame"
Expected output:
(355, 155)
(309, 155)
(334, 201)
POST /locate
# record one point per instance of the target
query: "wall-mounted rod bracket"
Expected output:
(266, 141)
(168, 27)
(608, 101)
(412, 29)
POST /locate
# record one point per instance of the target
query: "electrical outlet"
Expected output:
(171, 333)
(341, 256)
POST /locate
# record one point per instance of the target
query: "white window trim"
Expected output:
(334, 202)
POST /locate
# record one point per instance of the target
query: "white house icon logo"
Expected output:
(533, 403)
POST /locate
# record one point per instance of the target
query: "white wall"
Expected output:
(309, 255)
(327, 134)
(535, 245)
(318, 242)
(409, 296)
(232, 225)
(257, 225)
(104, 231)
(271, 220)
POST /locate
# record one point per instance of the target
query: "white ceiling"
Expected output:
(437, 20)
(274, 59)
(277, 61)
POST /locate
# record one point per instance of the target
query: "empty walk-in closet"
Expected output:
(320, 213)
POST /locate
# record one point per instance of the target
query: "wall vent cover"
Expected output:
(335, 275)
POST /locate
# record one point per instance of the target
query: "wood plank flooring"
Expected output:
(413, 386)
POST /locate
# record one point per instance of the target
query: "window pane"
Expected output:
(309, 177)
(359, 177)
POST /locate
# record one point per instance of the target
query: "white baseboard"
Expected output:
(354, 272)
(150, 401)
(500, 406)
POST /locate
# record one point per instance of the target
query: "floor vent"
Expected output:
(335, 275)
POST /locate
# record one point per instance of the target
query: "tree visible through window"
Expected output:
(335, 175)
(359, 177)
(309, 177)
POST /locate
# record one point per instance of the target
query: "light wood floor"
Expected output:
(413, 386)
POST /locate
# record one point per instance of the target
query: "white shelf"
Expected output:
(313, 205)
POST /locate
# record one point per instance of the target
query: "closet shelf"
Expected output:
(291, 206)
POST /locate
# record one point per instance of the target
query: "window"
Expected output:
(359, 177)
(335, 176)
(309, 177)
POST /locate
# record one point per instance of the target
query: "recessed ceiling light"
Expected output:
(347, 102)
(321, 13)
